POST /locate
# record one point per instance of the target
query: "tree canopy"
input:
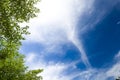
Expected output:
(12, 64)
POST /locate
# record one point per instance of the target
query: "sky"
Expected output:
(75, 40)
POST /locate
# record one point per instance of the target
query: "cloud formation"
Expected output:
(56, 71)
(56, 23)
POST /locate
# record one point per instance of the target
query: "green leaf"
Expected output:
(12, 64)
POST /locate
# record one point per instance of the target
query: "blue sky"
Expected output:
(75, 40)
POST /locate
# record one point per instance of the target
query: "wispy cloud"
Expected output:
(117, 56)
(30, 57)
(115, 70)
(56, 23)
(56, 71)
(118, 22)
(106, 73)
(78, 44)
(52, 70)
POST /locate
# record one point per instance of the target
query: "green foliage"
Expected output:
(13, 12)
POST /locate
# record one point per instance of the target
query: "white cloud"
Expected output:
(55, 71)
(56, 20)
(30, 57)
(78, 44)
(115, 70)
(96, 74)
(52, 71)
(56, 23)
(117, 57)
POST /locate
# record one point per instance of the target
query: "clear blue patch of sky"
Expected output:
(103, 42)
(70, 54)
(110, 78)
(31, 47)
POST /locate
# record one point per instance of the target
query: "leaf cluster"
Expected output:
(12, 64)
